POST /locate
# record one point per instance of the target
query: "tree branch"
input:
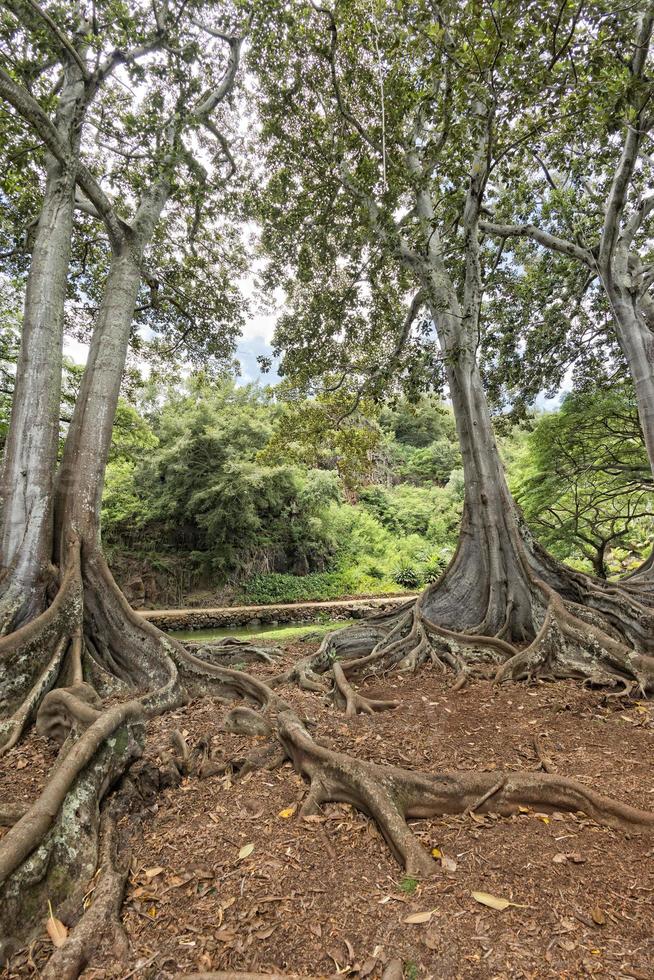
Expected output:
(622, 177)
(544, 238)
(226, 85)
(59, 35)
(30, 110)
(87, 208)
(345, 112)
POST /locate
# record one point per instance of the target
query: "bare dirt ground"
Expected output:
(226, 875)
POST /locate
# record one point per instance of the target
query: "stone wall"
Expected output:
(253, 616)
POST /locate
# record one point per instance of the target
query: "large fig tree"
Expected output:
(383, 164)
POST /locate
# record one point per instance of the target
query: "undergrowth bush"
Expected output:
(407, 575)
(319, 586)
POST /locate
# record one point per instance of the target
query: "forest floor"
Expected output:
(226, 875)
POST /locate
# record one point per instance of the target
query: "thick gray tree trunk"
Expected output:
(26, 485)
(636, 340)
(81, 474)
(486, 587)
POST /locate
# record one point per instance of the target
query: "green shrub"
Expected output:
(433, 567)
(261, 590)
(280, 587)
(407, 575)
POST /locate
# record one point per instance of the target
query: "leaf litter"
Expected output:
(228, 875)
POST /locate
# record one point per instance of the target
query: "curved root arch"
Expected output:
(90, 642)
(32, 658)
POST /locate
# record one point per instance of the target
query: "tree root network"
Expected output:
(91, 645)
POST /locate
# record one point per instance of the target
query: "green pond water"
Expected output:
(292, 631)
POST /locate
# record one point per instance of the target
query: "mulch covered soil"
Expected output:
(225, 874)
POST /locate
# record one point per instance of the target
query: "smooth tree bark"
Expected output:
(89, 642)
(501, 590)
(28, 472)
(27, 482)
(117, 648)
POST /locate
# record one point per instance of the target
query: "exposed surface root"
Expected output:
(50, 853)
(545, 761)
(91, 643)
(391, 796)
(580, 628)
(230, 975)
(65, 708)
(232, 651)
(32, 656)
(12, 729)
(356, 703)
(568, 645)
(102, 917)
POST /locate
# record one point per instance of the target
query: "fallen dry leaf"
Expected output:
(57, 931)
(448, 863)
(245, 851)
(493, 902)
(287, 812)
(394, 970)
(368, 967)
(417, 917)
(152, 872)
(598, 916)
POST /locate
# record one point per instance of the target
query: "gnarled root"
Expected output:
(232, 650)
(31, 658)
(519, 612)
(12, 728)
(356, 703)
(544, 760)
(103, 915)
(50, 853)
(230, 975)
(337, 777)
(352, 643)
(65, 708)
(391, 796)
(570, 643)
